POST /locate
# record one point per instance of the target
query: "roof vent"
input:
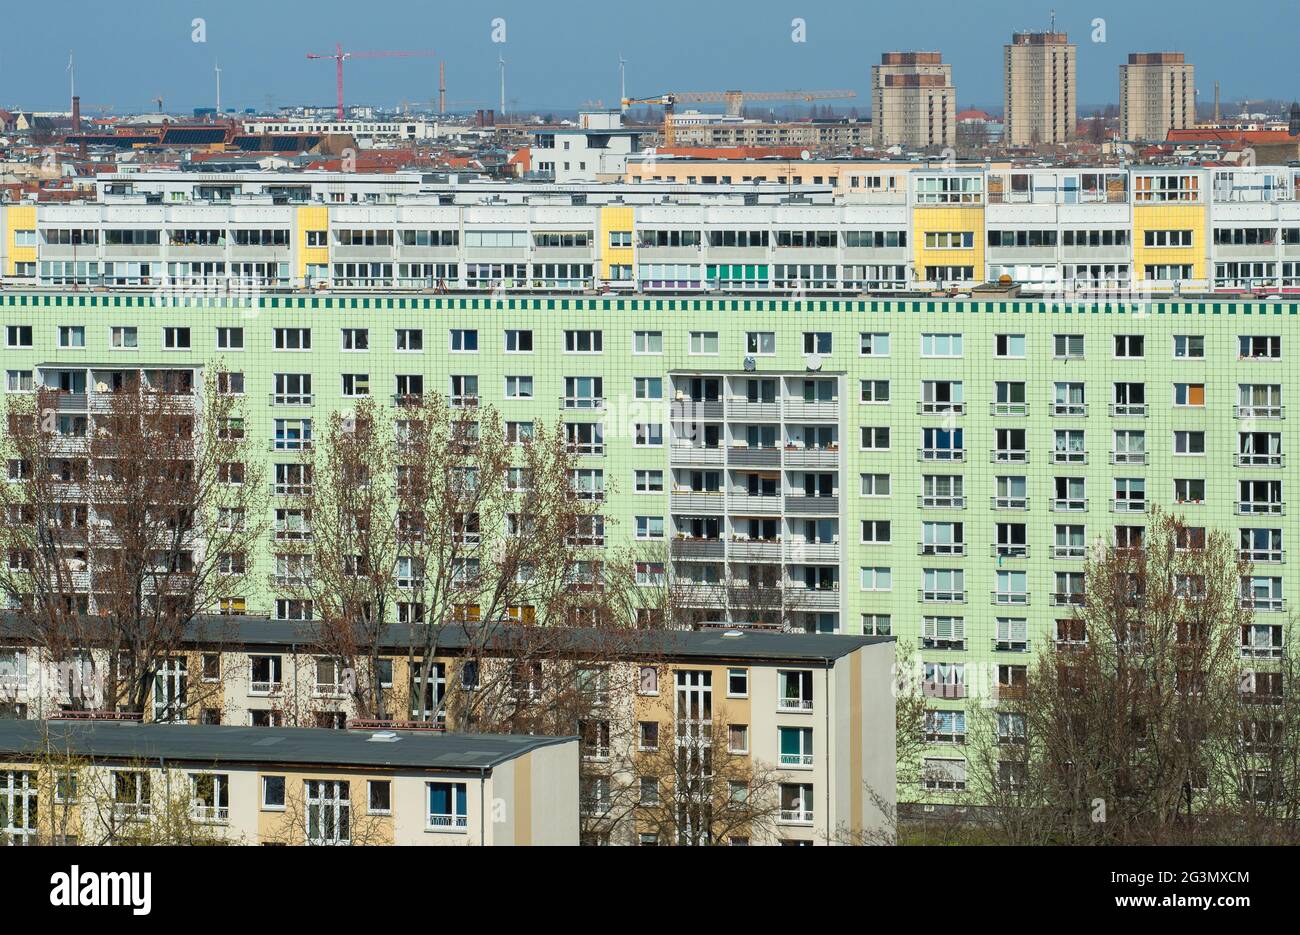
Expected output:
(383, 736)
(733, 634)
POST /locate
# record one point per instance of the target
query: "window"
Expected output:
(1130, 345)
(293, 339)
(648, 735)
(329, 811)
(875, 391)
(74, 336)
(875, 532)
(874, 485)
(1255, 346)
(647, 342)
(1068, 346)
(448, 806)
(230, 339)
(176, 339)
(583, 342)
(379, 797)
(943, 585)
(273, 794)
(877, 579)
(18, 336)
(737, 738)
(1009, 345)
(1189, 490)
(877, 625)
(648, 435)
(874, 438)
(1189, 443)
(649, 481)
(124, 337)
(1189, 345)
(464, 340)
(519, 387)
(1189, 394)
(704, 342)
(648, 387)
(649, 527)
(519, 341)
(794, 690)
(356, 384)
(19, 381)
(737, 683)
(817, 342)
(760, 342)
(941, 345)
(210, 797)
(874, 344)
(356, 339)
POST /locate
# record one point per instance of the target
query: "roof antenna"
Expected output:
(1052, 28)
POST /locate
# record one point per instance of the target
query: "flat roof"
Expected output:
(196, 743)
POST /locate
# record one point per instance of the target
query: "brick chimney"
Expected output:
(76, 113)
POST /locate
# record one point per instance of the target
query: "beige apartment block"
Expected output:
(1157, 93)
(913, 101)
(1040, 93)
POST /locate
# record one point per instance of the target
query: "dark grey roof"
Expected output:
(281, 746)
(708, 644)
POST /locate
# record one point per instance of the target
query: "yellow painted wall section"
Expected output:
(18, 217)
(524, 800)
(927, 219)
(614, 218)
(1169, 217)
(311, 218)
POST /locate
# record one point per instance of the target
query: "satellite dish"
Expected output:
(813, 361)
(750, 364)
(805, 155)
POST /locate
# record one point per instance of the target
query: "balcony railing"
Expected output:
(747, 456)
(929, 408)
(1008, 409)
(797, 816)
(941, 454)
(263, 688)
(1062, 456)
(1128, 457)
(943, 689)
(1250, 507)
(1010, 597)
(1069, 410)
(698, 501)
(1133, 410)
(1262, 555)
(1008, 550)
(1069, 551)
(941, 548)
(1070, 504)
(587, 403)
(1128, 506)
(1009, 456)
(1010, 503)
(827, 506)
(791, 703)
(692, 454)
(941, 597)
(1260, 460)
(292, 399)
(1259, 412)
(930, 502)
(210, 814)
(812, 457)
(797, 760)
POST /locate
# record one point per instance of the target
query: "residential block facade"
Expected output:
(1157, 93)
(913, 101)
(1041, 88)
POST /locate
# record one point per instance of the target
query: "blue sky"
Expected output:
(564, 53)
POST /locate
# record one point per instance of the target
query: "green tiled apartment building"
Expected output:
(934, 469)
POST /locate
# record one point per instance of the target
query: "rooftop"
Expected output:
(193, 743)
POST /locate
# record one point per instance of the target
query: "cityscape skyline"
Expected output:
(267, 67)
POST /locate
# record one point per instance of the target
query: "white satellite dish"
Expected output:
(813, 361)
(750, 364)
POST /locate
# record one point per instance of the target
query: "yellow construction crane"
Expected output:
(734, 100)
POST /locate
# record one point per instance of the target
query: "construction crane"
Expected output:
(339, 56)
(734, 100)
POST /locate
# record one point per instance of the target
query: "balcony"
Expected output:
(1270, 556)
(1008, 409)
(797, 761)
(262, 689)
(1010, 597)
(810, 552)
(941, 454)
(697, 548)
(690, 594)
(1069, 551)
(1128, 506)
(1009, 456)
(941, 597)
(803, 598)
(789, 704)
(947, 690)
(1018, 504)
(761, 550)
(742, 410)
(1069, 457)
(1259, 412)
(797, 409)
(583, 403)
(812, 457)
(696, 410)
(1008, 550)
(1070, 504)
(814, 506)
(937, 408)
(1069, 410)
(210, 814)
(797, 816)
(1268, 605)
(1128, 410)
(1252, 507)
(1252, 460)
(745, 456)
(690, 454)
(928, 502)
(750, 504)
(1128, 457)
(584, 449)
(292, 399)
(697, 501)
(71, 402)
(1003, 692)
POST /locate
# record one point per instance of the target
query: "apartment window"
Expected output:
(448, 806)
(1189, 443)
(1009, 345)
(738, 738)
(648, 735)
(647, 342)
(356, 339)
(519, 387)
(704, 342)
(293, 339)
(874, 344)
(1189, 345)
(464, 340)
(74, 336)
(649, 527)
(19, 381)
(1189, 394)
(329, 811)
(941, 345)
(1167, 238)
(817, 342)
(1189, 490)
(230, 339)
(356, 384)
(176, 339)
(1259, 347)
(875, 532)
(877, 578)
(649, 481)
(379, 797)
(874, 438)
(648, 387)
(875, 391)
(794, 690)
(877, 625)
(874, 485)
(124, 337)
(273, 794)
(648, 434)
(1068, 345)
(519, 341)
(583, 342)
(762, 343)
(1130, 345)
(943, 632)
(737, 683)
(18, 336)
(943, 585)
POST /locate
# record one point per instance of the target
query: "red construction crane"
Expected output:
(339, 55)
